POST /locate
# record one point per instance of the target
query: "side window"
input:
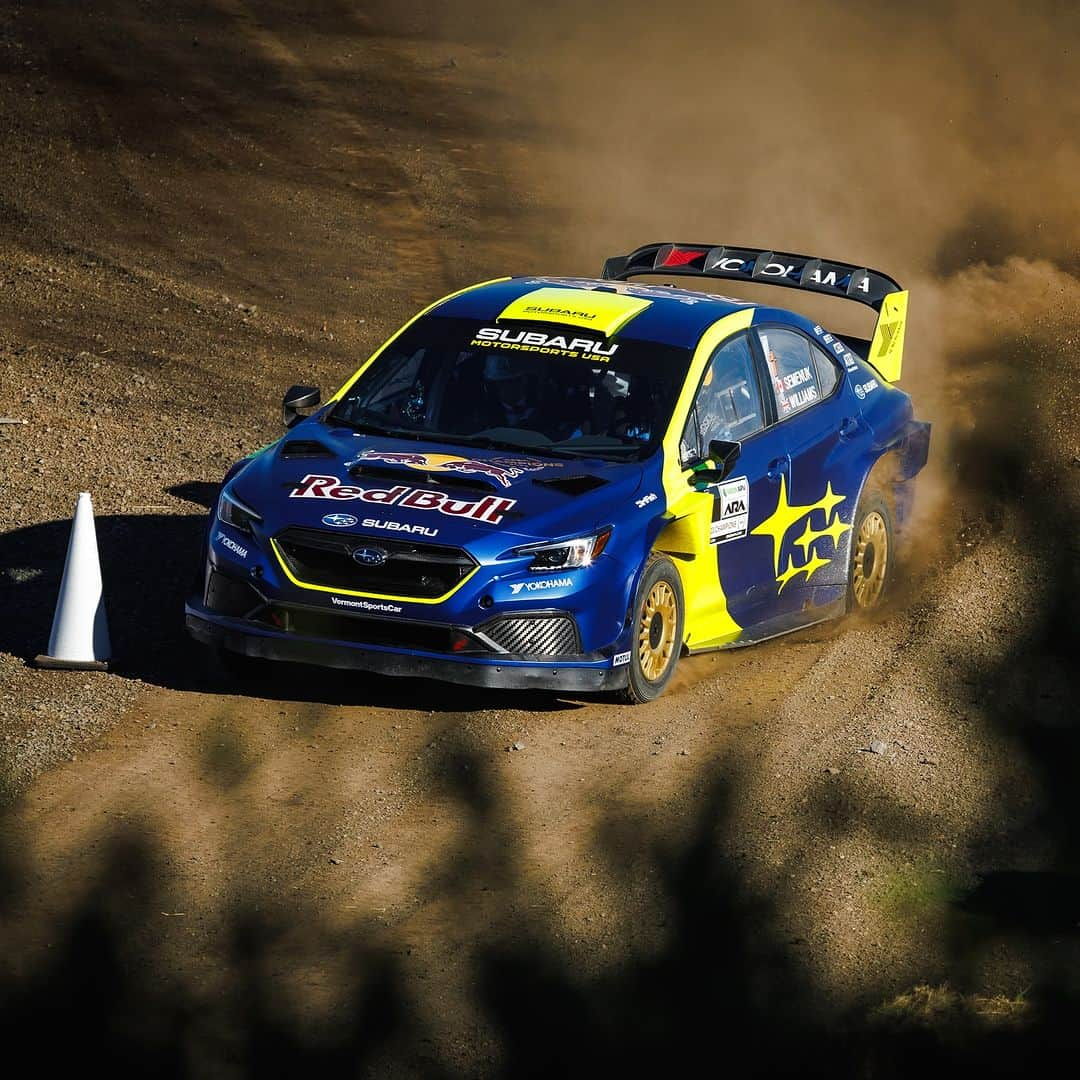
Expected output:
(828, 372)
(728, 403)
(792, 371)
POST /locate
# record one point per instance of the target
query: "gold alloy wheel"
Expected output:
(871, 560)
(656, 631)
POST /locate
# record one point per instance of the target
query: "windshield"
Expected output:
(552, 390)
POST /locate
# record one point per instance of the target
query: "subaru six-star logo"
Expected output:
(369, 556)
(339, 521)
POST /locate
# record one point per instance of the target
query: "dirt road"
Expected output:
(203, 203)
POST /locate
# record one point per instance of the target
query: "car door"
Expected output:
(729, 406)
(808, 528)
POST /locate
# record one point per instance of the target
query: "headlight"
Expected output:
(233, 512)
(566, 554)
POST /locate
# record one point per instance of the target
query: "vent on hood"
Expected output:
(571, 485)
(305, 448)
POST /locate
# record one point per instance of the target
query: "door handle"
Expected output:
(849, 427)
(778, 467)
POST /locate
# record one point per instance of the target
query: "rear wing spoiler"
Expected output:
(762, 267)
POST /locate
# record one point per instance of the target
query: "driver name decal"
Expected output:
(489, 509)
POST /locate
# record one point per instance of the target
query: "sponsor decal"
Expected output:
(731, 511)
(862, 389)
(502, 469)
(232, 545)
(780, 527)
(540, 585)
(369, 556)
(620, 658)
(646, 499)
(601, 312)
(339, 521)
(365, 605)
(490, 509)
(398, 526)
(837, 347)
(547, 344)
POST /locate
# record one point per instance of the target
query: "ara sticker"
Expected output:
(731, 511)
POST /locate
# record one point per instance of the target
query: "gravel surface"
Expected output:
(191, 220)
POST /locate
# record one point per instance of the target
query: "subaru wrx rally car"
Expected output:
(568, 483)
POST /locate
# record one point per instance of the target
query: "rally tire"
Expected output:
(872, 559)
(657, 618)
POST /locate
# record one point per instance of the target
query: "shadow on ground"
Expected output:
(708, 977)
(149, 564)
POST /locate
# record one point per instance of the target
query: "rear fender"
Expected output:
(898, 461)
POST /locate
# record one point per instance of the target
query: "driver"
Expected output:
(522, 397)
(514, 386)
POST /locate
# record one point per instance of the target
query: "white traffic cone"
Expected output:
(80, 634)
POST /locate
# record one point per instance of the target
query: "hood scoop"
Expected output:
(305, 448)
(571, 485)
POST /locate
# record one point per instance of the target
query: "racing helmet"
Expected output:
(498, 367)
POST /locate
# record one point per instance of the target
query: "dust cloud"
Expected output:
(935, 141)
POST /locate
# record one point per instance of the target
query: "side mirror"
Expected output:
(296, 398)
(725, 454)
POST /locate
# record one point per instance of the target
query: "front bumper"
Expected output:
(254, 639)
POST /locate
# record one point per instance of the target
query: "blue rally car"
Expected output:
(568, 483)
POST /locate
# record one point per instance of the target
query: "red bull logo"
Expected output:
(490, 509)
(500, 469)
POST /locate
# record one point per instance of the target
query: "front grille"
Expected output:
(534, 635)
(411, 569)
(363, 631)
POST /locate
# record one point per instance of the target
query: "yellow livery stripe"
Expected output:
(686, 536)
(605, 312)
(368, 595)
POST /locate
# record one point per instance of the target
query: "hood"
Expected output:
(487, 500)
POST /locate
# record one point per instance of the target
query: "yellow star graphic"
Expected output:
(828, 501)
(785, 516)
(814, 565)
(779, 521)
(809, 535)
(791, 572)
(836, 530)
(809, 568)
